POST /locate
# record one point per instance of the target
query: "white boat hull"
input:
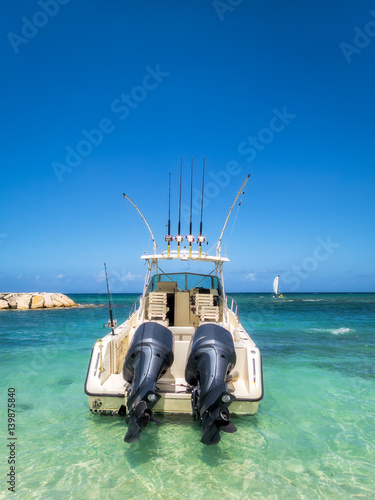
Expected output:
(107, 390)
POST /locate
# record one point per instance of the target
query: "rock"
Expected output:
(60, 300)
(34, 300)
(71, 302)
(56, 300)
(37, 302)
(47, 299)
(24, 300)
(66, 300)
(11, 299)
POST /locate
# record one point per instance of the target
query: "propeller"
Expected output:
(215, 421)
(140, 417)
(143, 415)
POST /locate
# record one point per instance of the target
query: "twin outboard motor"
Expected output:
(148, 358)
(211, 359)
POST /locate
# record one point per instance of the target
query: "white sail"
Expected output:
(276, 285)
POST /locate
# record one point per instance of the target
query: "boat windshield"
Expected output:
(186, 281)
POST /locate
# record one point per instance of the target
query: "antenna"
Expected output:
(190, 238)
(111, 323)
(169, 237)
(201, 238)
(169, 205)
(200, 227)
(226, 220)
(179, 238)
(191, 198)
(145, 221)
(179, 205)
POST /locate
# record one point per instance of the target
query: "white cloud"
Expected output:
(117, 278)
(100, 277)
(19, 277)
(251, 277)
(59, 276)
(131, 277)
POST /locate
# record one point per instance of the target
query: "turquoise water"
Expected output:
(313, 436)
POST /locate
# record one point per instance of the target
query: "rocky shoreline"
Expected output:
(35, 300)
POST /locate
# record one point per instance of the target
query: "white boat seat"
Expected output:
(209, 313)
(204, 300)
(157, 306)
(205, 308)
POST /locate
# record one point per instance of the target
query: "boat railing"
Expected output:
(135, 306)
(233, 306)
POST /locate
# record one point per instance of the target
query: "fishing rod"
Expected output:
(145, 221)
(111, 323)
(190, 238)
(201, 238)
(230, 211)
(179, 237)
(169, 237)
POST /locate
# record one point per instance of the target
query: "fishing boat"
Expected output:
(276, 288)
(182, 349)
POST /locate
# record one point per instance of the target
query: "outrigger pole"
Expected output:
(112, 323)
(145, 221)
(179, 237)
(226, 220)
(201, 238)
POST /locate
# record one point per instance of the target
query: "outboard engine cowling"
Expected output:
(211, 359)
(148, 358)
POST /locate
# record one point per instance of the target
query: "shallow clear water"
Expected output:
(313, 436)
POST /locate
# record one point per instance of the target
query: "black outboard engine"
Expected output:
(211, 359)
(148, 358)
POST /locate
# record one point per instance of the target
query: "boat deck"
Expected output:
(115, 383)
(108, 393)
(167, 385)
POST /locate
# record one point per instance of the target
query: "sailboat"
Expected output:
(276, 288)
(182, 349)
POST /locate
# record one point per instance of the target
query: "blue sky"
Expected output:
(100, 98)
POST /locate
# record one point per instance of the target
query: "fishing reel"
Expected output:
(110, 324)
